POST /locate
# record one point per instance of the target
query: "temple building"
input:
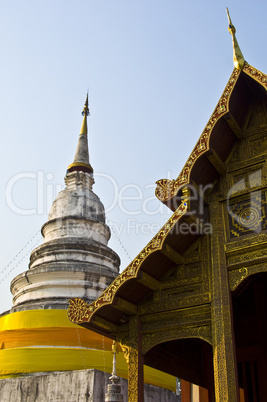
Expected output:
(43, 355)
(194, 300)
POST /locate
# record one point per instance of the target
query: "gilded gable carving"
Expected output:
(254, 143)
(256, 120)
(242, 187)
(257, 146)
(248, 216)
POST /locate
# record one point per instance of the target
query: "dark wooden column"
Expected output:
(224, 356)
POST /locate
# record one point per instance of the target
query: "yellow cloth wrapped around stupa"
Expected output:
(45, 340)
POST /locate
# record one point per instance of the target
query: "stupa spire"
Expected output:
(85, 113)
(114, 389)
(81, 158)
(239, 60)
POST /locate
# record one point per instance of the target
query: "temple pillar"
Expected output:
(224, 355)
(133, 354)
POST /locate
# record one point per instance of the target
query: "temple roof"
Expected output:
(218, 137)
(205, 165)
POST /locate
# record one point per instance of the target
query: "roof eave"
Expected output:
(167, 190)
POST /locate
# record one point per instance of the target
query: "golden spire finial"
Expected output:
(81, 158)
(86, 107)
(85, 113)
(239, 60)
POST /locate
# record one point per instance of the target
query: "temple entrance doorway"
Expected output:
(191, 361)
(250, 327)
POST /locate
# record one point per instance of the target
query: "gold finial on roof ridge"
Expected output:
(239, 60)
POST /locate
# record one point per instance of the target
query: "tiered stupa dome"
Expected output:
(74, 260)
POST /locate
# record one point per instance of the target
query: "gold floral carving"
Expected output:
(255, 74)
(126, 352)
(246, 243)
(247, 258)
(133, 375)
(167, 189)
(79, 311)
(257, 146)
(238, 275)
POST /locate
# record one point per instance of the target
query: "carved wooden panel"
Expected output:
(257, 145)
(254, 143)
(194, 322)
(246, 244)
(238, 275)
(256, 119)
(246, 256)
(186, 284)
(244, 177)
(152, 339)
(248, 216)
(246, 180)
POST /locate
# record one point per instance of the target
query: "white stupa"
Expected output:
(44, 356)
(74, 260)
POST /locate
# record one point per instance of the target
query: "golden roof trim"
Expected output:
(167, 189)
(80, 312)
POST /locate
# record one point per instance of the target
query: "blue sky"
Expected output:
(155, 71)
